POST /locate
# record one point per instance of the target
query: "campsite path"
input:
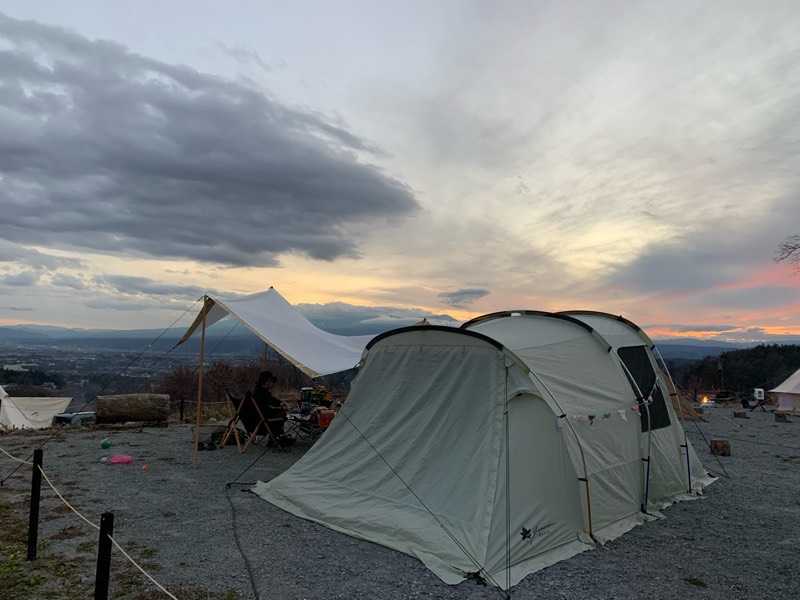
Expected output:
(740, 541)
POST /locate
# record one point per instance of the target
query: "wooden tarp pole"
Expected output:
(200, 369)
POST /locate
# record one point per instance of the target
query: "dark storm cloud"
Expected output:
(127, 284)
(108, 150)
(761, 297)
(349, 319)
(460, 298)
(716, 251)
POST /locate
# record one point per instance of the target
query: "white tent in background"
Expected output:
(30, 413)
(282, 327)
(479, 458)
(788, 394)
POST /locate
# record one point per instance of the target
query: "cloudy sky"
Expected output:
(423, 158)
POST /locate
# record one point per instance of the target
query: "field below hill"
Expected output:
(179, 521)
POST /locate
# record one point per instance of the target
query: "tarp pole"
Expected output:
(200, 369)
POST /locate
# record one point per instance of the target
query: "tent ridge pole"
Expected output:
(200, 370)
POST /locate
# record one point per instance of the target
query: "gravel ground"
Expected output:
(740, 541)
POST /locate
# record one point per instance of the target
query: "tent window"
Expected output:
(638, 363)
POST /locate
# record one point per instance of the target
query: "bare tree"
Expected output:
(789, 250)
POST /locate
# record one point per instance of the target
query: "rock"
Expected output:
(151, 408)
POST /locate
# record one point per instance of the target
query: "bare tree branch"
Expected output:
(789, 250)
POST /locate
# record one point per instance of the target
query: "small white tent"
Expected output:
(453, 449)
(282, 327)
(30, 413)
(787, 394)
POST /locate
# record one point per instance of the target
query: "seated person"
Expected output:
(272, 408)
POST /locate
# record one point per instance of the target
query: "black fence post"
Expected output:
(36, 493)
(103, 575)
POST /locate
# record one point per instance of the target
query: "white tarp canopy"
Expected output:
(453, 449)
(281, 326)
(788, 393)
(30, 413)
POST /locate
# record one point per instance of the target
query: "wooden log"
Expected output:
(119, 408)
(720, 447)
(740, 414)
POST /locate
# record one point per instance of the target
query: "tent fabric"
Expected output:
(417, 461)
(30, 413)
(473, 455)
(788, 394)
(668, 447)
(589, 388)
(281, 326)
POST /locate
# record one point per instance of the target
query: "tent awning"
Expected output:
(282, 327)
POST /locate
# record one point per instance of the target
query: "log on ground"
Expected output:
(119, 408)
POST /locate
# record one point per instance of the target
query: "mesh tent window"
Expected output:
(638, 363)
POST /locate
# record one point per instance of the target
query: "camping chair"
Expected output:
(250, 416)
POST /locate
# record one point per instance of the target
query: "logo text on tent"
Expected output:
(532, 534)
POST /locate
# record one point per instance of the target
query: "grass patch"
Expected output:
(50, 577)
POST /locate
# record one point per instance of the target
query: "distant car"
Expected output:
(76, 418)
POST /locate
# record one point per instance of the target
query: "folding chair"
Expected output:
(249, 414)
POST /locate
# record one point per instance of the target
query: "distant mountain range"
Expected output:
(227, 338)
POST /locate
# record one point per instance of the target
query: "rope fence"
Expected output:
(90, 523)
(15, 459)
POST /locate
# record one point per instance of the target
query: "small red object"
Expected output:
(121, 459)
(325, 418)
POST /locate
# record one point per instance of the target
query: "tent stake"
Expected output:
(200, 369)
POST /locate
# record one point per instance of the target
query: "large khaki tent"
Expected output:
(787, 394)
(484, 454)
